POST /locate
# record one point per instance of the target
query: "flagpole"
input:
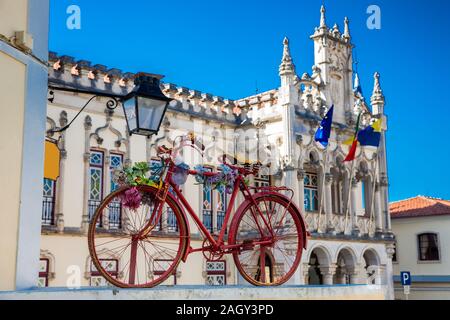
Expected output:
(322, 196)
(355, 140)
(347, 209)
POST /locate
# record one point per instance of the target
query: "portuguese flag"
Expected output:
(351, 155)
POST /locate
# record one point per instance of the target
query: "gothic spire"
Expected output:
(377, 96)
(346, 35)
(336, 31)
(287, 67)
(323, 23)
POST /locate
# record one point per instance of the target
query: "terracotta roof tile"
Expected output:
(419, 207)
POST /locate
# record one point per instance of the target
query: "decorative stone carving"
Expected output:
(390, 250)
(87, 123)
(301, 174)
(299, 139)
(108, 126)
(329, 178)
(52, 127)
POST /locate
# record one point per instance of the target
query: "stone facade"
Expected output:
(347, 216)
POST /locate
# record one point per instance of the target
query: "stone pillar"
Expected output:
(353, 207)
(379, 275)
(305, 271)
(384, 185)
(378, 211)
(290, 181)
(59, 221)
(340, 277)
(86, 159)
(107, 187)
(328, 203)
(389, 272)
(327, 274)
(358, 274)
(59, 205)
(301, 189)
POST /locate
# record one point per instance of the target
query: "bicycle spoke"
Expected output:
(273, 263)
(137, 257)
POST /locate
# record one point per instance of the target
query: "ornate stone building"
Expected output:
(347, 216)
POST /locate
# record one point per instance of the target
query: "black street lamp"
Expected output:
(144, 107)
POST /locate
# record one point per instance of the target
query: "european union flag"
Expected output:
(323, 133)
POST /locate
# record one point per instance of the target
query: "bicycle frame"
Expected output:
(219, 243)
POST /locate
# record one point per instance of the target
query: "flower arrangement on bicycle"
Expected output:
(265, 235)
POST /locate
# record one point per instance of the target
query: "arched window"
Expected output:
(428, 247)
(371, 264)
(207, 205)
(115, 207)
(337, 187)
(44, 271)
(221, 207)
(311, 184)
(311, 192)
(168, 221)
(96, 162)
(48, 202)
(46, 268)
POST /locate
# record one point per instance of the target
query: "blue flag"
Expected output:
(371, 135)
(324, 131)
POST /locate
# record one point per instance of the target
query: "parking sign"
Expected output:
(405, 278)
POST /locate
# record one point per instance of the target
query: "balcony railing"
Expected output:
(365, 226)
(220, 219)
(48, 210)
(207, 220)
(92, 206)
(172, 225)
(115, 215)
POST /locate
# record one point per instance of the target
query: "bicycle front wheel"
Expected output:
(141, 253)
(271, 239)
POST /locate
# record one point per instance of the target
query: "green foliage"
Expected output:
(137, 174)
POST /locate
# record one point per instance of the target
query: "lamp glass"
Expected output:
(129, 107)
(151, 113)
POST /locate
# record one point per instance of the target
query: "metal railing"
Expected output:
(92, 206)
(207, 220)
(115, 215)
(48, 211)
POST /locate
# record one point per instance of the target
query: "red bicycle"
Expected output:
(266, 235)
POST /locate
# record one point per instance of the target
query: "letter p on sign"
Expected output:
(405, 277)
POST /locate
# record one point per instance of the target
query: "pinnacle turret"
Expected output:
(377, 95)
(287, 67)
(346, 34)
(323, 23)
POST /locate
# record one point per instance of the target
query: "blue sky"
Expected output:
(227, 47)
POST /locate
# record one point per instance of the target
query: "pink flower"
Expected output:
(131, 198)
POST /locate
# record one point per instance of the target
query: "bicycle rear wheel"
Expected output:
(144, 259)
(270, 233)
